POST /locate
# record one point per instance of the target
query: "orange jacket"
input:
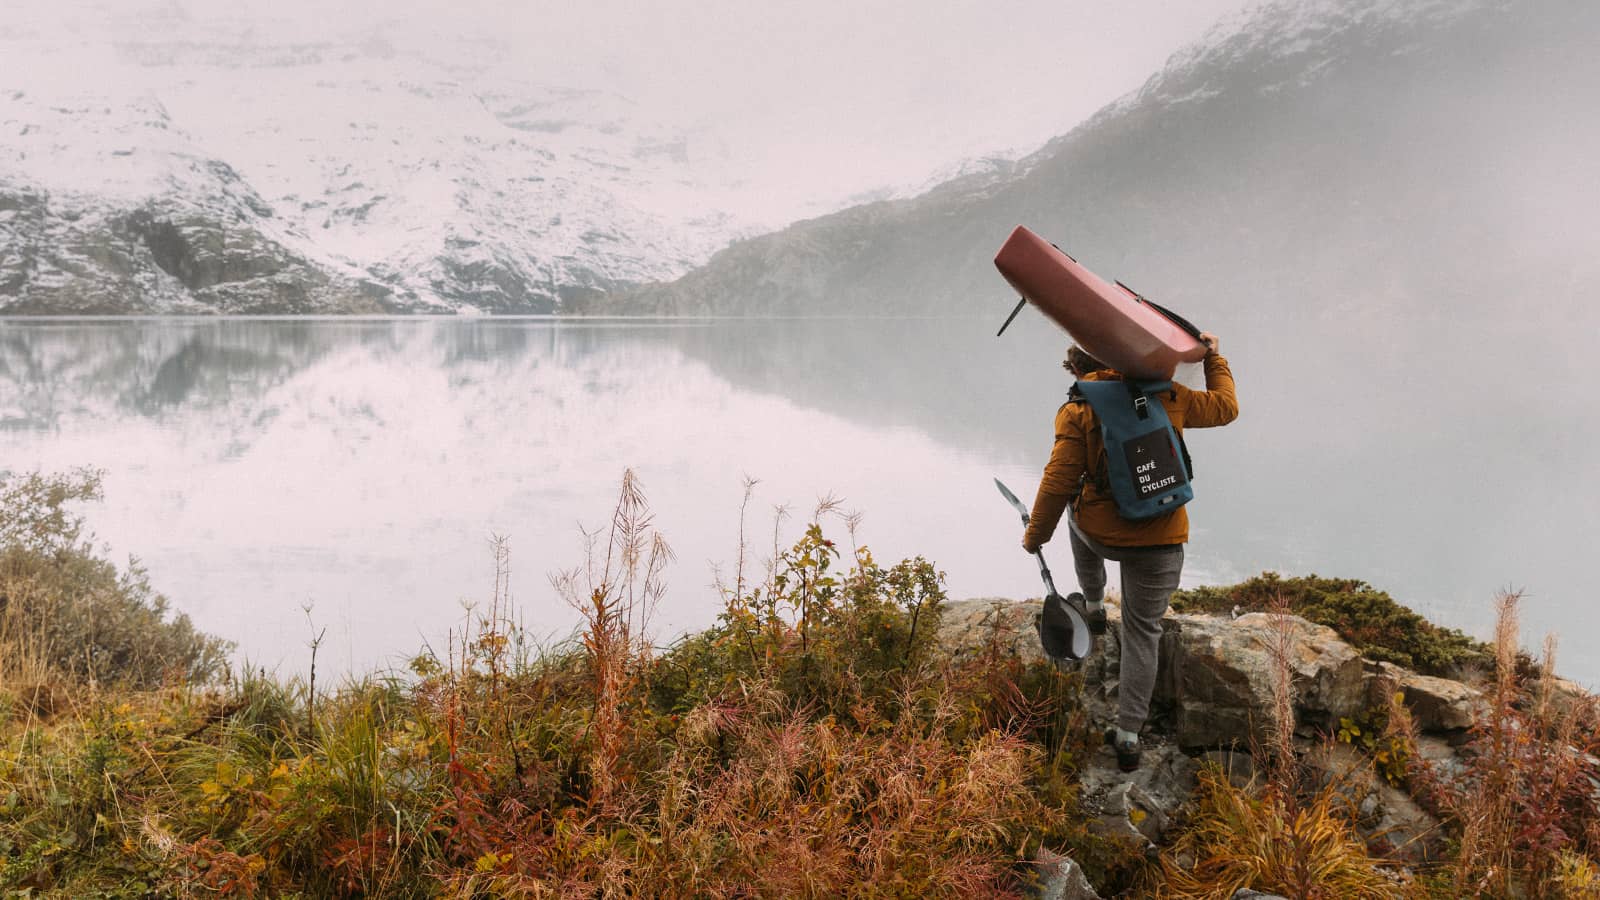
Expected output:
(1080, 451)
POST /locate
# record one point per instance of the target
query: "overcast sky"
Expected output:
(987, 67)
(890, 89)
(1015, 55)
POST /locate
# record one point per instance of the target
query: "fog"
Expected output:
(794, 101)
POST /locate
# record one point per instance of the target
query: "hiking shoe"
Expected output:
(1055, 628)
(1095, 617)
(1127, 751)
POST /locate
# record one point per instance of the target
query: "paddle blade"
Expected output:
(1012, 499)
(1063, 631)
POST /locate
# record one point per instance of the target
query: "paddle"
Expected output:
(1079, 642)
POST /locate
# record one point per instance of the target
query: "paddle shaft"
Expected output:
(1044, 570)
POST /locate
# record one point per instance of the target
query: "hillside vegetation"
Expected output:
(816, 742)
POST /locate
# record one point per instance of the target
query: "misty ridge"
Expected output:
(1327, 159)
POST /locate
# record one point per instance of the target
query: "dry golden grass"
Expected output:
(1524, 808)
(1243, 838)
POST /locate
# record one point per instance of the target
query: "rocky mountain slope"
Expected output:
(1367, 152)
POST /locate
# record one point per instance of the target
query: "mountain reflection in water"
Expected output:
(361, 466)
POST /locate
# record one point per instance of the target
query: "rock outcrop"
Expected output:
(1213, 705)
(1140, 806)
(1387, 817)
(1057, 877)
(968, 626)
(1214, 686)
(1437, 704)
(1222, 683)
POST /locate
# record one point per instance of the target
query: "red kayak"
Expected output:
(1110, 322)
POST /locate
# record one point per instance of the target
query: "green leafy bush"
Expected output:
(828, 638)
(1369, 731)
(1372, 621)
(65, 610)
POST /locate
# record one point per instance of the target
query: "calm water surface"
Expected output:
(361, 466)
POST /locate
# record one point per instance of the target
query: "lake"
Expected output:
(361, 467)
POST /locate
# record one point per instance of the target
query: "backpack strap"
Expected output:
(1099, 480)
(1141, 403)
(1139, 393)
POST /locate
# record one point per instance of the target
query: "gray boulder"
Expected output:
(1436, 704)
(1387, 818)
(1403, 830)
(966, 627)
(1142, 805)
(1237, 765)
(1223, 669)
(1057, 877)
(1570, 699)
(1446, 760)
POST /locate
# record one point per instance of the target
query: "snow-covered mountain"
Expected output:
(152, 161)
(211, 168)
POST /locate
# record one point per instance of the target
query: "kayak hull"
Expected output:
(1110, 322)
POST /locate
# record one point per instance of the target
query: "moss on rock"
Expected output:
(1374, 623)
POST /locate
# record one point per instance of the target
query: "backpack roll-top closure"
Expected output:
(1139, 392)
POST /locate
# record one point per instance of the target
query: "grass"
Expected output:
(815, 742)
(1267, 841)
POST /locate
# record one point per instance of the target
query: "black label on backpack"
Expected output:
(1154, 462)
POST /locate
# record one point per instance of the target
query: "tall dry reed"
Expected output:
(1525, 802)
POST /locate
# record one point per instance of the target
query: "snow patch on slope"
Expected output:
(1303, 37)
(446, 184)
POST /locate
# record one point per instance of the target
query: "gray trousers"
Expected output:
(1149, 576)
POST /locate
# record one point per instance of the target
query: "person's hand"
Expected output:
(1211, 341)
(1029, 548)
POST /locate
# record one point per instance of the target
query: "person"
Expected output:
(1150, 550)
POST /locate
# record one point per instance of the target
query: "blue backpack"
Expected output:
(1147, 466)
